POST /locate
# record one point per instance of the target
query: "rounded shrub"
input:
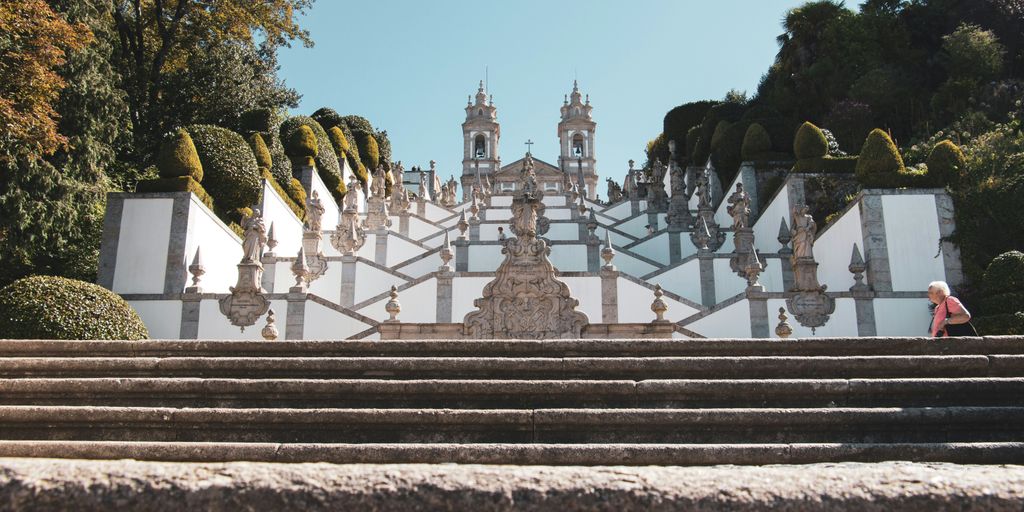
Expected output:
(48, 307)
(357, 124)
(809, 142)
(327, 118)
(326, 161)
(728, 154)
(680, 120)
(230, 172)
(720, 129)
(727, 111)
(756, 142)
(368, 150)
(178, 157)
(1001, 306)
(691, 141)
(301, 146)
(946, 164)
(261, 152)
(262, 120)
(880, 163)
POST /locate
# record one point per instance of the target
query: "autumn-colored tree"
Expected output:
(34, 41)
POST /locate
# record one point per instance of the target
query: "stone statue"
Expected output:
(254, 239)
(437, 188)
(422, 192)
(678, 179)
(378, 187)
(803, 232)
(614, 192)
(315, 212)
(703, 190)
(351, 201)
(739, 207)
(629, 185)
(658, 171)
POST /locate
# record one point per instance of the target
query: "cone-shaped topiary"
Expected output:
(57, 308)
(756, 142)
(369, 154)
(261, 152)
(327, 165)
(178, 157)
(1001, 307)
(301, 146)
(339, 142)
(946, 164)
(810, 142)
(230, 173)
(880, 163)
(720, 129)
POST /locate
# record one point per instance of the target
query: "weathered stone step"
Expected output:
(524, 454)
(452, 393)
(520, 348)
(819, 425)
(520, 367)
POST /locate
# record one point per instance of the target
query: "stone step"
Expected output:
(454, 393)
(519, 348)
(546, 426)
(655, 367)
(525, 454)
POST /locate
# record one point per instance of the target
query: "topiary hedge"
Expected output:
(827, 164)
(369, 153)
(301, 146)
(326, 161)
(48, 307)
(756, 142)
(178, 157)
(261, 152)
(679, 121)
(946, 164)
(262, 120)
(327, 118)
(231, 175)
(1000, 309)
(880, 163)
(809, 142)
(179, 184)
(728, 111)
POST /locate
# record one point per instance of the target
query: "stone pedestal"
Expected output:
(461, 255)
(247, 302)
(315, 258)
(348, 280)
(380, 252)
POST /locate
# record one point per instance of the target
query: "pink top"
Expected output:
(954, 306)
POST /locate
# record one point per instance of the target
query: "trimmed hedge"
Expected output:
(691, 143)
(1001, 307)
(178, 157)
(326, 161)
(262, 120)
(809, 142)
(880, 163)
(369, 153)
(946, 164)
(679, 121)
(728, 111)
(261, 152)
(48, 307)
(301, 146)
(827, 164)
(231, 175)
(178, 184)
(357, 123)
(327, 118)
(756, 142)
(716, 137)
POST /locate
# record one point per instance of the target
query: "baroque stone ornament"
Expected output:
(807, 299)
(269, 331)
(739, 208)
(526, 299)
(659, 307)
(271, 242)
(197, 270)
(657, 195)
(678, 211)
(784, 238)
(312, 236)
(393, 307)
(706, 235)
(301, 272)
(446, 254)
(783, 330)
(247, 301)
(857, 268)
(349, 236)
(608, 253)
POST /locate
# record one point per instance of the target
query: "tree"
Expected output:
(34, 41)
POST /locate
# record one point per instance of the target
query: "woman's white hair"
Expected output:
(940, 285)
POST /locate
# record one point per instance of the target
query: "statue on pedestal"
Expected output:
(739, 208)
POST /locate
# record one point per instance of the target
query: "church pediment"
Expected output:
(540, 168)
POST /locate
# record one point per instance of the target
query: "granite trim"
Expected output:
(111, 237)
(176, 273)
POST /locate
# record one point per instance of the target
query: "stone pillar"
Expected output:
(675, 250)
(950, 252)
(787, 272)
(652, 218)
(269, 273)
(634, 205)
(348, 281)
(444, 296)
(111, 238)
(748, 176)
(474, 229)
(461, 255)
(795, 191)
(421, 207)
(403, 223)
(175, 275)
(295, 317)
(876, 250)
(759, 327)
(304, 173)
(707, 278)
(189, 329)
(593, 254)
(609, 296)
(865, 314)
(380, 253)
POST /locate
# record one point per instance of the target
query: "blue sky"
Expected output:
(408, 65)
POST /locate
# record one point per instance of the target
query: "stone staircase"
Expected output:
(600, 402)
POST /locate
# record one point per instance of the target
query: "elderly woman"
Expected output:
(948, 312)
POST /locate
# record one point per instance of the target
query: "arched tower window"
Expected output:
(479, 146)
(577, 145)
(479, 111)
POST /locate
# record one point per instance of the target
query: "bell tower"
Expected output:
(480, 135)
(576, 141)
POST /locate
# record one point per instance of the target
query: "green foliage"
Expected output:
(657, 149)
(973, 53)
(339, 142)
(262, 120)
(691, 142)
(880, 163)
(326, 161)
(176, 184)
(296, 193)
(369, 153)
(810, 142)
(850, 122)
(680, 120)
(47, 307)
(1001, 303)
(301, 146)
(727, 153)
(357, 124)
(178, 158)
(231, 175)
(261, 152)
(946, 164)
(756, 142)
(827, 165)
(327, 117)
(716, 137)
(722, 112)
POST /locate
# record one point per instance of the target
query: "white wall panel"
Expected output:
(142, 246)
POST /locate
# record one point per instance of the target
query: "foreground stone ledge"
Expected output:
(84, 485)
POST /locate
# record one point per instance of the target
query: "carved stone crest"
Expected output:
(807, 299)
(349, 236)
(247, 301)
